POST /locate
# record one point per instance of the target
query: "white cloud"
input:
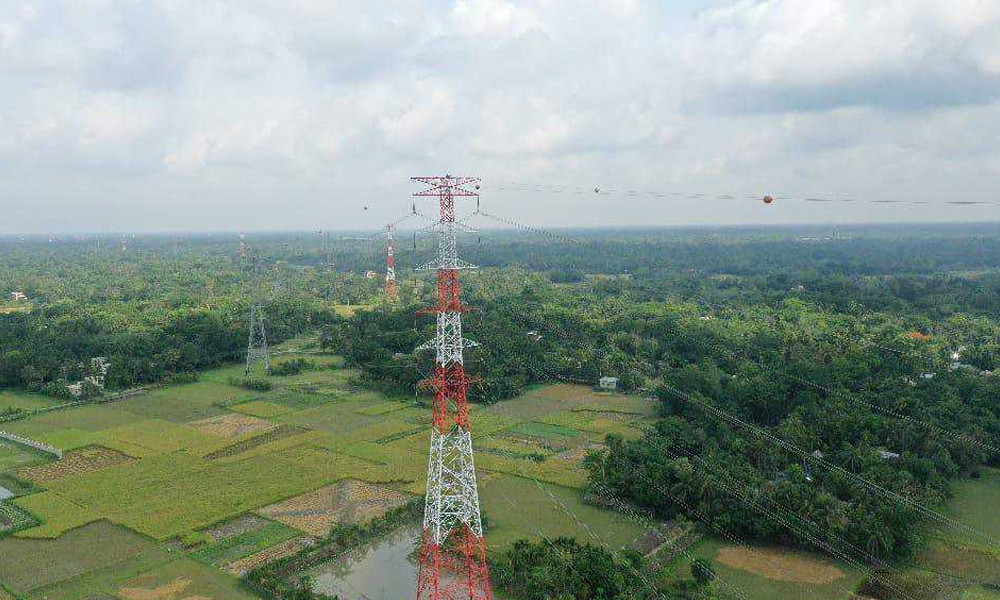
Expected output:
(186, 109)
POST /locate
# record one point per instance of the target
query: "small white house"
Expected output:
(608, 383)
(371, 274)
(18, 296)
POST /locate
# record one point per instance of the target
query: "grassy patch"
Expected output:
(782, 568)
(26, 565)
(58, 515)
(298, 399)
(182, 578)
(70, 439)
(545, 431)
(975, 503)
(980, 594)
(966, 561)
(90, 418)
(333, 417)
(518, 509)
(25, 400)
(183, 403)
(382, 408)
(102, 582)
(14, 455)
(261, 409)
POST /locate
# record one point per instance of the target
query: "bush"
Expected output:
(13, 413)
(293, 367)
(256, 385)
(702, 571)
(180, 378)
(193, 539)
(57, 389)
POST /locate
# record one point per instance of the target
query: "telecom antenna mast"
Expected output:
(391, 287)
(257, 349)
(243, 248)
(453, 555)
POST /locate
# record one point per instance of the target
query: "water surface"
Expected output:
(382, 570)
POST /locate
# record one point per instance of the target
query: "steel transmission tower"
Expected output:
(243, 248)
(453, 556)
(391, 287)
(257, 349)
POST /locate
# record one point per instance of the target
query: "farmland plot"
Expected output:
(75, 462)
(344, 503)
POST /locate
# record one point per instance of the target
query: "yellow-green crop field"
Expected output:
(179, 477)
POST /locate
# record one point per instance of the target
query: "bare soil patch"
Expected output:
(780, 565)
(231, 425)
(168, 591)
(75, 462)
(346, 502)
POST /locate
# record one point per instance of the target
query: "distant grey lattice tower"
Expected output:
(257, 348)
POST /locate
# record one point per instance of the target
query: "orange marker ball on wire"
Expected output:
(768, 199)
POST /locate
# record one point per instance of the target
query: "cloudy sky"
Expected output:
(151, 115)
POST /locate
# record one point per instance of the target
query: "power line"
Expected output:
(610, 191)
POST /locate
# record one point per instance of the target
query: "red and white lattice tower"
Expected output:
(453, 556)
(391, 287)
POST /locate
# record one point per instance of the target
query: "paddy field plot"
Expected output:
(74, 462)
(344, 503)
(14, 455)
(231, 425)
(153, 437)
(167, 495)
(261, 409)
(234, 527)
(182, 579)
(13, 518)
(89, 418)
(184, 403)
(276, 552)
(223, 552)
(25, 401)
(26, 565)
(267, 438)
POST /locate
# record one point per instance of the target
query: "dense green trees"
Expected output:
(563, 569)
(806, 335)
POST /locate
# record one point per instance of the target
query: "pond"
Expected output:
(383, 570)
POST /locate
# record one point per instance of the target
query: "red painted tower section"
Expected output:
(453, 555)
